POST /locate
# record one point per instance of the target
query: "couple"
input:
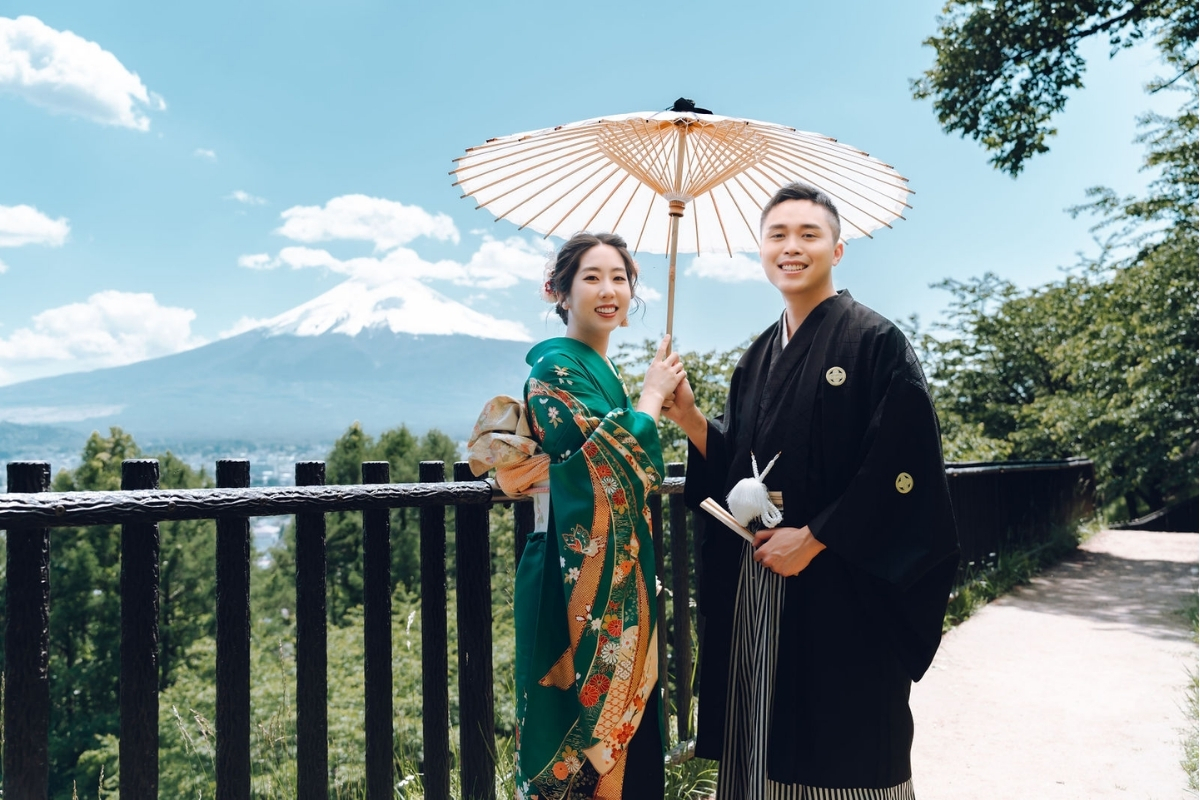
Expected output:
(811, 637)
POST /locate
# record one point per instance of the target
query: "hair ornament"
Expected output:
(547, 292)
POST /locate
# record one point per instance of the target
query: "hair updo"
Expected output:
(560, 271)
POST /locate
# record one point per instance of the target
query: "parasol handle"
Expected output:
(671, 271)
(675, 209)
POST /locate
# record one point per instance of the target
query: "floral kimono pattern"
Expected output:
(587, 658)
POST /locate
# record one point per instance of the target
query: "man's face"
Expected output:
(798, 249)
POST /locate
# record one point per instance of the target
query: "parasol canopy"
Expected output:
(682, 180)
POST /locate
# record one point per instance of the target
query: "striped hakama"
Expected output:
(752, 659)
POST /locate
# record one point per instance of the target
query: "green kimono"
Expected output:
(587, 657)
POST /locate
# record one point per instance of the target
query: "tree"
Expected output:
(1003, 67)
(1104, 362)
(275, 589)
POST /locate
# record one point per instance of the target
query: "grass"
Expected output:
(1006, 570)
(1191, 734)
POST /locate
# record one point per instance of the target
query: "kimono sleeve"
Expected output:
(894, 518)
(567, 406)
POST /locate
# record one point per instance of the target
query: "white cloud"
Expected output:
(258, 261)
(111, 328)
(649, 294)
(725, 269)
(3, 268)
(21, 225)
(65, 73)
(207, 155)
(500, 264)
(386, 223)
(245, 198)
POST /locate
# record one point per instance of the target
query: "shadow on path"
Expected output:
(1145, 596)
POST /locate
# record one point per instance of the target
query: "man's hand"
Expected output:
(786, 551)
(684, 413)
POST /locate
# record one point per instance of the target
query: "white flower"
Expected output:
(609, 484)
(597, 624)
(611, 652)
(573, 574)
(562, 562)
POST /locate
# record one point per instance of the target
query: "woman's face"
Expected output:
(600, 293)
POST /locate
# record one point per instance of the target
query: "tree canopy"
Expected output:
(1003, 67)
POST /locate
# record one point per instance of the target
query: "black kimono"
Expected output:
(846, 404)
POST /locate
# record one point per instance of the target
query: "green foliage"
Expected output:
(85, 618)
(708, 373)
(1003, 69)
(343, 530)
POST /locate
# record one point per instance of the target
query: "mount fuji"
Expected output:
(380, 352)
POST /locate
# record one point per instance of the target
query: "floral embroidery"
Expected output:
(572, 575)
(624, 733)
(621, 572)
(552, 415)
(561, 372)
(590, 449)
(613, 626)
(610, 653)
(593, 690)
(609, 485)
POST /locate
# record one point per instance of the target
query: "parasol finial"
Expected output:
(684, 104)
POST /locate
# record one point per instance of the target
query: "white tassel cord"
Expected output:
(750, 500)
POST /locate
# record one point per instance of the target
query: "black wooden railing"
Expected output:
(996, 505)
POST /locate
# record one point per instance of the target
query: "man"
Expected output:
(813, 636)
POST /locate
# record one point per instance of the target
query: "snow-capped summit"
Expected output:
(400, 305)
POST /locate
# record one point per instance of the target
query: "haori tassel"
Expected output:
(749, 499)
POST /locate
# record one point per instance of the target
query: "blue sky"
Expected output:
(155, 159)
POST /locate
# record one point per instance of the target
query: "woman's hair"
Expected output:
(560, 272)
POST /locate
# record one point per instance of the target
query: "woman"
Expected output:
(587, 656)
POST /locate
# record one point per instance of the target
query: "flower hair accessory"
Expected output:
(548, 280)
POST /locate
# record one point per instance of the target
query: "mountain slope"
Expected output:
(279, 387)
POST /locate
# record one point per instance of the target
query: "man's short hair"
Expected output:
(804, 191)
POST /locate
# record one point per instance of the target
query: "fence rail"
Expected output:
(995, 504)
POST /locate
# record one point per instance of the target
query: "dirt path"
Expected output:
(1072, 687)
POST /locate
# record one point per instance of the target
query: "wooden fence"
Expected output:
(996, 505)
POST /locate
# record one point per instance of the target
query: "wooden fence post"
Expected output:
(435, 722)
(139, 642)
(473, 586)
(27, 646)
(312, 679)
(377, 638)
(233, 641)
(681, 612)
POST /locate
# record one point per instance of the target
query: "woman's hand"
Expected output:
(662, 376)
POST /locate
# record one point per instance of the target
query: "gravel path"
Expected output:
(1071, 687)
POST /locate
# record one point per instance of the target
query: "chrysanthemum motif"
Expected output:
(610, 653)
(609, 484)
